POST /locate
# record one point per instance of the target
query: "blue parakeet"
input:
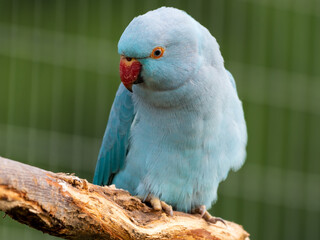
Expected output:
(176, 126)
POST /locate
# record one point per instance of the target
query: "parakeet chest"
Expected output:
(179, 130)
(175, 139)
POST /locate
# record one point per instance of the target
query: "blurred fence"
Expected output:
(59, 74)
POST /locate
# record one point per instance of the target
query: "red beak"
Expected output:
(129, 71)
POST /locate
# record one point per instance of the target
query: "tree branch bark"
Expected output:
(69, 207)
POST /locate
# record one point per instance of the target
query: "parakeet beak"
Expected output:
(130, 71)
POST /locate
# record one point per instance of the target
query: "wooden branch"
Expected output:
(69, 207)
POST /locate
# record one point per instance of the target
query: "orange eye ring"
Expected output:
(157, 52)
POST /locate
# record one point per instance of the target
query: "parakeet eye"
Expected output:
(157, 52)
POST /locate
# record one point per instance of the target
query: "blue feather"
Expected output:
(116, 138)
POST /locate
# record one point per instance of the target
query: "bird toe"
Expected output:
(157, 204)
(206, 215)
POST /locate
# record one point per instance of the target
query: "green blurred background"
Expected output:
(59, 75)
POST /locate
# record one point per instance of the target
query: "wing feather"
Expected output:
(116, 138)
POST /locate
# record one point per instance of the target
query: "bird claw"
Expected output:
(157, 204)
(167, 208)
(207, 216)
(216, 219)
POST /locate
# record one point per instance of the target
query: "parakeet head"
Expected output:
(163, 49)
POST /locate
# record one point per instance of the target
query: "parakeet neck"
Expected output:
(202, 90)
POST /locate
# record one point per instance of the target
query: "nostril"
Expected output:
(128, 59)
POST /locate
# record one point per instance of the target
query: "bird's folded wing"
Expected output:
(115, 141)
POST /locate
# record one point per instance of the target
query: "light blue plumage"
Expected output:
(177, 135)
(115, 141)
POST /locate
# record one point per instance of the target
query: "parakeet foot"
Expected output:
(206, 215)
(157, 204)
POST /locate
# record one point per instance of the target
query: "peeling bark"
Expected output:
(69, 207)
